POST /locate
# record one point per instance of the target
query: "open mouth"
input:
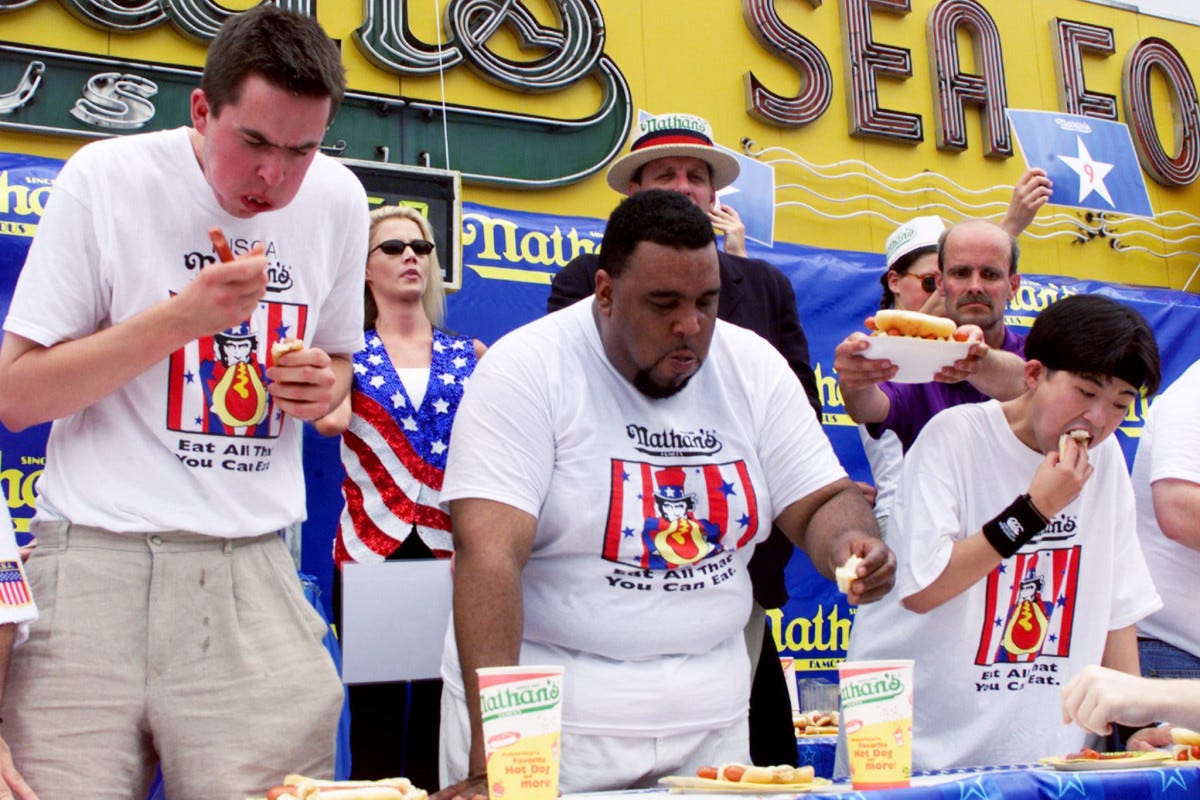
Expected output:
(256, 203)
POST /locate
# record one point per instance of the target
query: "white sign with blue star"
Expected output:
(1091, 161)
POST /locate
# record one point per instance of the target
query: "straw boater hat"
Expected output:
(672, 135)
(918, 232)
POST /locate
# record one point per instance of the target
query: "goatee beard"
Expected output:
(643, 383)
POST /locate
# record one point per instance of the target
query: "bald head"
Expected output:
(978, 231)
(978, 265)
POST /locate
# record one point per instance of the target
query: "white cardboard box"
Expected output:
(394, 620)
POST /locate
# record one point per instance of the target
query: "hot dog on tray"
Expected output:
(298, 787)
(1187, 744)
(749, 773)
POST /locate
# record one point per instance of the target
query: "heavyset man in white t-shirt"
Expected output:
(1001, 601)
(573, 430)
(174, 628)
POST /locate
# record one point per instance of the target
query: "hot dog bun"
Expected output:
(846, 574)
(1080, 436)
(895, 322)
(285, 346)
(749, 773)
(298, 787)
(1185, 736)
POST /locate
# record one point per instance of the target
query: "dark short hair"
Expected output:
(288, 50)
(660, 216)
(1090, 334)
(1014, 250)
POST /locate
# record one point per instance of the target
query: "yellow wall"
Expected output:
(691, 55)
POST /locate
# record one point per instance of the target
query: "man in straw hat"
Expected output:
(676, 152)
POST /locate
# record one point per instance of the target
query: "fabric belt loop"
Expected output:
(228, 549)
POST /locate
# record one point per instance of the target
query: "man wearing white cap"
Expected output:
(676, 152)
(911, 283)
(978, 276)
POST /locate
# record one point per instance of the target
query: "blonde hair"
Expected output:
(434, 299)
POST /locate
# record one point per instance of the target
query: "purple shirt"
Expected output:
(914, 404)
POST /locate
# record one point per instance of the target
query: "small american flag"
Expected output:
(14, 592)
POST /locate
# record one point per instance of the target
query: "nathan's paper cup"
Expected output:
(877, 710)
(522, 724)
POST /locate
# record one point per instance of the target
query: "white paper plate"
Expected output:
(1150, 758)
(918, 359)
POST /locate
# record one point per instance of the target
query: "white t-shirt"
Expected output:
(645, 612)
(991, 662)
(194, 442)
(1170, 448)
(885, 455)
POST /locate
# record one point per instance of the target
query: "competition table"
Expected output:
(1030, 782)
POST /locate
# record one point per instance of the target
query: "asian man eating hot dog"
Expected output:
(1019, 564)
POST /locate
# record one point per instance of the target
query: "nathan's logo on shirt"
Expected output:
(1061, 528)
(668, 517)
(670, 442)
(279, 275)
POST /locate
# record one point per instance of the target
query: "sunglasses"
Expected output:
(928, 283)
(394, 247)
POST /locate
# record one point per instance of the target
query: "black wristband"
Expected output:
(1014, 526)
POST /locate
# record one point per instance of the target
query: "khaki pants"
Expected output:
(197, 651)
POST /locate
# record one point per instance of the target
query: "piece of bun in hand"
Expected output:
(284, 346)
(847, 573)
(1080, 436)
(895, 322)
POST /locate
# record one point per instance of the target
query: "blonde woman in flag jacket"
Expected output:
(395, 427)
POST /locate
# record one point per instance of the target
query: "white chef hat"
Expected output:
(918, 232)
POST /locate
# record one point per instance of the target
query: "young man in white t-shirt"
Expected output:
(999, 600)
(177, 632)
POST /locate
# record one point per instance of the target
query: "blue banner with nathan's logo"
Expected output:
(509, 259)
